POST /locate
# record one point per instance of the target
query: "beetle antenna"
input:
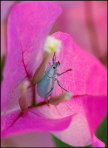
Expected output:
(54, 58)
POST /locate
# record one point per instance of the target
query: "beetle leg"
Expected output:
(60, 85)
(49, 93)
(47, 96)
(59, 74)
(50, 77)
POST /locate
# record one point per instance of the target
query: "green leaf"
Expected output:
(59, 143)
(101, 132)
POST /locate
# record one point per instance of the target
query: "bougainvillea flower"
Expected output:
(74, 121)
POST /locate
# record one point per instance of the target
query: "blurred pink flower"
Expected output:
(28, 27)
(86, 21)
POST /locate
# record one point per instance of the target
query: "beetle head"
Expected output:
(56, 64)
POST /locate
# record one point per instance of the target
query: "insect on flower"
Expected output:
(46, 85)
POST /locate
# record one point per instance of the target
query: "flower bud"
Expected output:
(23, 98)
(52, 45)
(61, 98)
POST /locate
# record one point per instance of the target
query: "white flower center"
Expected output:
(52, 45)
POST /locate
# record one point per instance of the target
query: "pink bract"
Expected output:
(74, 121)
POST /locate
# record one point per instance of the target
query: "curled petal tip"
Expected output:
(97, 142)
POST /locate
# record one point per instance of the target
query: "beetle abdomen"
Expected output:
(43, 87)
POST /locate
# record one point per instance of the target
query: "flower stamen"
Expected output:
(52, 45)
(23, 97)
(61, 98)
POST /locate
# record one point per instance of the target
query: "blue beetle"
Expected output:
(46, 85)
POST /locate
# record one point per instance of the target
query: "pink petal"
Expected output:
(15, 123)
(28, 26)
(88, 75)
(88, 113)
(95, 109)
(97, 142)
(79, 132)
